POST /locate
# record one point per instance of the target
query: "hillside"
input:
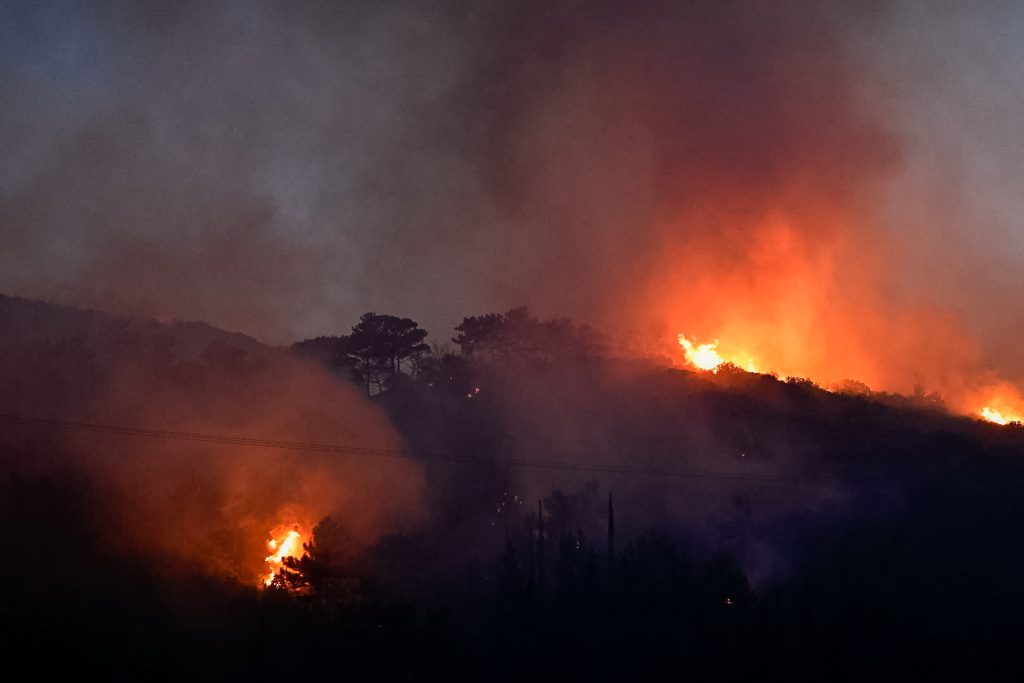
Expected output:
(27, 322)
(798, 527)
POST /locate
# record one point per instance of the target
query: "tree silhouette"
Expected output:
(332, 352)
(325, 569)
(577, 571)
(448, 371)
(380, 344)
(481, 335)
(519, 335)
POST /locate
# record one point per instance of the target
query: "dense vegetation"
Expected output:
(762, 528)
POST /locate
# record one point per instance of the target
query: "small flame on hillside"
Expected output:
(1002, 404)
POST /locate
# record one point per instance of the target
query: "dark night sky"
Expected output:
(279, 168)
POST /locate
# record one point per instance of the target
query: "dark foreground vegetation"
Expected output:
(750, 529)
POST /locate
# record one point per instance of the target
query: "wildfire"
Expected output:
(999, 417)
(284, 542)
(706, 356)
(1004, 405)
(703, 356)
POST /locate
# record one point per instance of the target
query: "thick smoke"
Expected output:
(213, 506)
(775, 177)
(195, 506)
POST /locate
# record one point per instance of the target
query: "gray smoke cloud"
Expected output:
(279, 168)
(248, 164)
(949, 85)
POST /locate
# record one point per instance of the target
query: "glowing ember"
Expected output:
(999, 417)
(283, 543)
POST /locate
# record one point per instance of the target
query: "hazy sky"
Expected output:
(280, 168)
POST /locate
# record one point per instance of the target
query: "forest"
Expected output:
(574, 514)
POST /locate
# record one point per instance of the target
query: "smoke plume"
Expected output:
(828, 188)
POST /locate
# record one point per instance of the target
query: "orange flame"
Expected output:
(1004, 405)
(703, 356)
(284, 542)
(1000, 417)
(706, 356)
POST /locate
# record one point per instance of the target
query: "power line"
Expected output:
(145, 432)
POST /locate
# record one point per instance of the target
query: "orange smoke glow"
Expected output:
(1003, 406)
(284, 542)
(765, 298)
(808, 292)
(1001, 403)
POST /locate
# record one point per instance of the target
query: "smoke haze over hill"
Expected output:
(639, 340)
(777, 178)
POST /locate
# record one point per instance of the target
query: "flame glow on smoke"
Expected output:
(284, 542)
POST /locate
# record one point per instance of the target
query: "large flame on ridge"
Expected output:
(284, 542)
(707, 357)
(999, 417)
(1004, 407)
(804, 294)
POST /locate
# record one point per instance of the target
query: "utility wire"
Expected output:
(339, 449)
